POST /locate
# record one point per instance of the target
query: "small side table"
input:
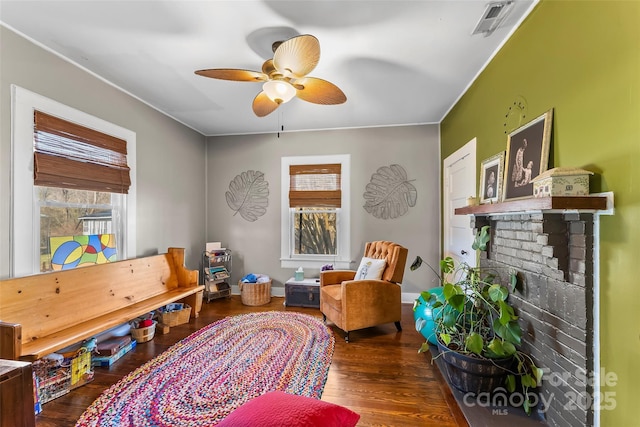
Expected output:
(302, 293)
(16, 394)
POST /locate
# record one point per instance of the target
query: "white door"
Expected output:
(459, 183)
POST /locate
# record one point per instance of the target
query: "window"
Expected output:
(315, 211)
(58, 191)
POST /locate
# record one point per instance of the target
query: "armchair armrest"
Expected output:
(335, 277)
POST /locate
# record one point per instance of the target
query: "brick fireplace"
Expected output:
(553, 255)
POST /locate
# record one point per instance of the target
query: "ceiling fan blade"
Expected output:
(233, 74)
(297, 56)
(319, 91)
(263, 105)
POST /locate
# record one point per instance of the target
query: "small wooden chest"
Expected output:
(302, 293)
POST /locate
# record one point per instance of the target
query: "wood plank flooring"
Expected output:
(379, 374)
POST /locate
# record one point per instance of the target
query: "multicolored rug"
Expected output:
(201, 379)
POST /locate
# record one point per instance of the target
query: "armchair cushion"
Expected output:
(370, 268)
(332, 296)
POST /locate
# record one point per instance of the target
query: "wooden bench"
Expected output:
(43, 313)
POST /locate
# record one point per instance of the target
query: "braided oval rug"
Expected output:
(202, 378)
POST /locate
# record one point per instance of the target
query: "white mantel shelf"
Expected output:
(574, 203)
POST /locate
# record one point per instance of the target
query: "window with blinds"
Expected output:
(80, 177)
(68, 155)
(83, 186)
(315, 211)
(315, 186)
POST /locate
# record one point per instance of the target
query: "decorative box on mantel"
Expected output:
(562, 182)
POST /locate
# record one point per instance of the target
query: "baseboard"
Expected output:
(407, 297)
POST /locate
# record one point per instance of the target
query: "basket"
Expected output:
(52, 380)
(255, 293)
(175, 318)
(81, 372)
(56, 378)
(144, 334)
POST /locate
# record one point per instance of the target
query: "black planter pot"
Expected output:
(472, 374)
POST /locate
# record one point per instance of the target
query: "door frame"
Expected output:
(467, 150)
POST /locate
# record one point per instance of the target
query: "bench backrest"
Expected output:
(49, 302)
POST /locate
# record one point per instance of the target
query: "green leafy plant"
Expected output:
(477, 320)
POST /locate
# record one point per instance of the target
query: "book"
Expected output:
(110, 360)
(113, 345)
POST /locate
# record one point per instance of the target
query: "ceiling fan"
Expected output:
(285, 76)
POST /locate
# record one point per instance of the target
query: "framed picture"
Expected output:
(491, 178)
(527, 156)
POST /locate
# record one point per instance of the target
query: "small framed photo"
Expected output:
(527, 156)
(491, 178)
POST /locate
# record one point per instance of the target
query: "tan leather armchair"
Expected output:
(358, 304)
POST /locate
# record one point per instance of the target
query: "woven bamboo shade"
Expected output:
(315, 185)
(69, 155)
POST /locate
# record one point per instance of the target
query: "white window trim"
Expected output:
(24, 237)
(342, 260)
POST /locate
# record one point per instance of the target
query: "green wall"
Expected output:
(581, 58)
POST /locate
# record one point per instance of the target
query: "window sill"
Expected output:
(314, 263)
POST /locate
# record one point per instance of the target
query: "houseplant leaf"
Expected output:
(449, 317)
(498, 293)
(446, 338)
(481, 239)
(248, 195)
(389, 194)
(528, 381)
(509, 348)
(513, 280)
(506, 313)
(450, 290)
(447, 265)
(474, 343)
(538, 373)
(424, 347)
(495, 345)
(454, 295)
(510, 332)
(416, 263)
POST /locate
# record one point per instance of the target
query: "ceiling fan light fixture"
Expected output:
(279, 91)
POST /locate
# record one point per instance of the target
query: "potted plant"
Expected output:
(477, 331)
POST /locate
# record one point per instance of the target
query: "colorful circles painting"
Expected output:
(77, 251)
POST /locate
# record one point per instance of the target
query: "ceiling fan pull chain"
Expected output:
(280, 125)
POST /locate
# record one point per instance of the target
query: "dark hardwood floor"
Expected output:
(379, 374)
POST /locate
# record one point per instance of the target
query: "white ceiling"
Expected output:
(398, 62)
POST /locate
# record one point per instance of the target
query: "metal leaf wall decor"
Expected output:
(389, 194)
(248, 195)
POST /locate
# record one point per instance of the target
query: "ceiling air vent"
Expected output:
(493, 15)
